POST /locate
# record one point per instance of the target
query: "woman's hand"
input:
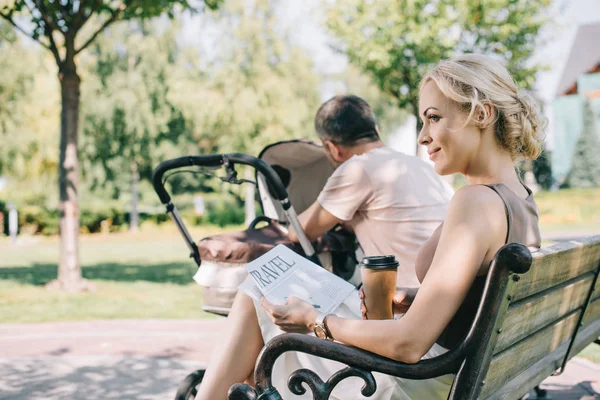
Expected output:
(295, 316)
(400, 303)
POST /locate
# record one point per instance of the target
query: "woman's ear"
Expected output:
(486, 115)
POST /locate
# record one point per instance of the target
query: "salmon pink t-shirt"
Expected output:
(392, 201)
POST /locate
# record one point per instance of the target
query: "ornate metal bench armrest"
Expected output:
(361, 363)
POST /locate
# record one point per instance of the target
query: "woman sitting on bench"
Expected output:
(475, 122)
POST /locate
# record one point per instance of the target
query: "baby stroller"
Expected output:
(289, 177)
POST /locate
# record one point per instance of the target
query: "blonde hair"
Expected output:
(472, 80)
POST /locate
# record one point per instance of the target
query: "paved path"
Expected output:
(126, 359)
(146, 359)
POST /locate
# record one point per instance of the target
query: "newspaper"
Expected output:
(282, 273)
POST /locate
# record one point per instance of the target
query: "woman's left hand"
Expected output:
(295, 316)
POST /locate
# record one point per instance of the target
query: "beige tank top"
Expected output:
(522, 219)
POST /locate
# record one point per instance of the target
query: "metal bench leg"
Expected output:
(188, 387)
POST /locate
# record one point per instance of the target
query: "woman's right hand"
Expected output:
(400, 303)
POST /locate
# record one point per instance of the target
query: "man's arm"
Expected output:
(346, 190)
(315, 221)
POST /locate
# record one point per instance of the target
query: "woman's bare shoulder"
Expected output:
(480, 196)
(477, 205)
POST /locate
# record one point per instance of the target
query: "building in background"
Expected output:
(580, 82)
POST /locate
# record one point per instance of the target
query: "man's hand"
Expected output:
(403, 299)
(400, 303)
(295, 316)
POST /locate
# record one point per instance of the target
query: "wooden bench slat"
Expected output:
(536, 373)
(593, 311)
(559, 263)
(534, 313)
(512, 361)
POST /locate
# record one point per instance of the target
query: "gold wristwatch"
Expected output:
(321, 331)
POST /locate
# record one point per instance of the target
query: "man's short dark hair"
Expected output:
(346, 120)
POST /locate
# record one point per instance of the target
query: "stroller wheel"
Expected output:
(187, 388)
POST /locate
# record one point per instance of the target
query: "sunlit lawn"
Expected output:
(592, 353)
(148, 275)
(573, 210)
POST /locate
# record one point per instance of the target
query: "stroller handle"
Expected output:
(227, 160)
(217, 160)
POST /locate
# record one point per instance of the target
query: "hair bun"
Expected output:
(524, 135)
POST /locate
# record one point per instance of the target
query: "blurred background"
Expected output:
(93, 96)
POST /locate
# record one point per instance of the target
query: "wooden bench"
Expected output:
(537, 312)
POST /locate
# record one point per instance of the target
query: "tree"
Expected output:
(29, 105)
(585, 169)
(260, 89)
(129, 118)
(16, 82)
(263, 89)
(59, 26)
(397, 41)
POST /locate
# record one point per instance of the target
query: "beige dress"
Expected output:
(522, 228)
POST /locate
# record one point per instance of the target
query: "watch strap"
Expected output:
(320, 320)
(321, 324)
(327, 331)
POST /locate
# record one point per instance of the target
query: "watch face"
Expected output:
(320, 332)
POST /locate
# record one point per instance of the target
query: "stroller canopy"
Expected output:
(303, 168)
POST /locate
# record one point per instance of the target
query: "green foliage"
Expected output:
(222, 210)
(397, 41)
(258, 89)
(47, 21)
(585, 169)
(146, 98)
(153, 99)
(223, 213)
(129, 120)
(29, 110)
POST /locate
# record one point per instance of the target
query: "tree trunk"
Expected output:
(134, 219)
(69, 270)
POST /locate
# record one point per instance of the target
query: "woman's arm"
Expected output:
(475, 226)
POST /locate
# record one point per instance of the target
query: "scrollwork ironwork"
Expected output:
(322, 390)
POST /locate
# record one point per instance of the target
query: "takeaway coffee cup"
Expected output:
(379, 284)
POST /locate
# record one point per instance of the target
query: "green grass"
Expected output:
(571, 210)
(592, 353)
(21, 303)
(148, 275)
